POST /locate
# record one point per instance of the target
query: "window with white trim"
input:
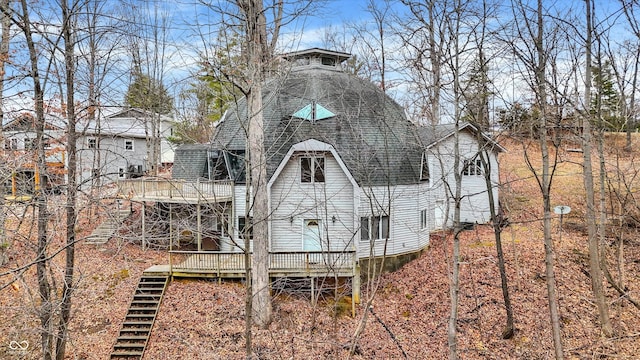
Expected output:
(423, 219)
(29, 144)
(374, 227)
(121, 173)
(11, 144)
(312, 169)
(472, 167)
(128, 145)
(92, 143)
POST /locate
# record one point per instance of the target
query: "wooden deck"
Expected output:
(176, 191)
(281, 264)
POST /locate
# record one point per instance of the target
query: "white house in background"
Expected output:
(114, 146)
(346, 169)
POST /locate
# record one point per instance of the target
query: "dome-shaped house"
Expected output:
(347, 172)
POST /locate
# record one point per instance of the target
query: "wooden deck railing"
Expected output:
(229, 264)
(175, 189)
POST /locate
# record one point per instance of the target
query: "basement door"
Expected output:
(311, 235)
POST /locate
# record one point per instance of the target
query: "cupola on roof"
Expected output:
(317, 57)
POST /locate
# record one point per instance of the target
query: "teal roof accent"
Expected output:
(313, 112)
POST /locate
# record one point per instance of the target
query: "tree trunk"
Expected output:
(594, 249)
(47, 309)
(257, 53)
(545, 185)
(68, 286)
(4, 56)
(498, 223)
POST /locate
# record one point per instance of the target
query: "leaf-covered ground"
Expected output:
(202, 319)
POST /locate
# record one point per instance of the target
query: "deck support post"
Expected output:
(170, 245)
(143, 223)
(199, 233)
(355, 288)
(313, 295)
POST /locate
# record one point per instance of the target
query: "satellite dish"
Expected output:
(562, 209)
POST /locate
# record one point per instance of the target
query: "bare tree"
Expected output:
(530, 29)
(5, 22)
(594, 249)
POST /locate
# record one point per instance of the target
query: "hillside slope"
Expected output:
(205, 320)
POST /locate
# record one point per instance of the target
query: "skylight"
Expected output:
(313, 112)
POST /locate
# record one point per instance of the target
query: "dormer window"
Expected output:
(312, 169)
(313, 112)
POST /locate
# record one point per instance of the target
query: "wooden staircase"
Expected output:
(108, 227)
(137, 325)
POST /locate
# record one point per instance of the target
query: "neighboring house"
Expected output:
(346, 170)
(115, 146)
(20, 156)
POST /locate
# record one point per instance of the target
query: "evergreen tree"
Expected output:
(148, 94)
(606, 99)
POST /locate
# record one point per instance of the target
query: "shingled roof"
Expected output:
(190, 162)
(367, 128)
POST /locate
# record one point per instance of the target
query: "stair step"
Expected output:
(126, 353)
(132, 337)
(145, 304)
(137, 323)
(129, 346)
(136, 327)
(139, 331)
(150, 309)
(139, 316)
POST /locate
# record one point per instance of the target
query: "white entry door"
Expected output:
(311, 235)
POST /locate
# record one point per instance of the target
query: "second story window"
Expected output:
(92, 143)
(128, 144)
(311, 169)
(29, 144)
(472, 167)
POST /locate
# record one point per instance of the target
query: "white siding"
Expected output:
(403, 204)
(475, 203)
(293, 201)
(240, 206)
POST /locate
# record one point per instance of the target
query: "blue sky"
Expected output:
(308, 31)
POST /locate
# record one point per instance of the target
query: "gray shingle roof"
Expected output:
(190, 162)
(370, 132)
